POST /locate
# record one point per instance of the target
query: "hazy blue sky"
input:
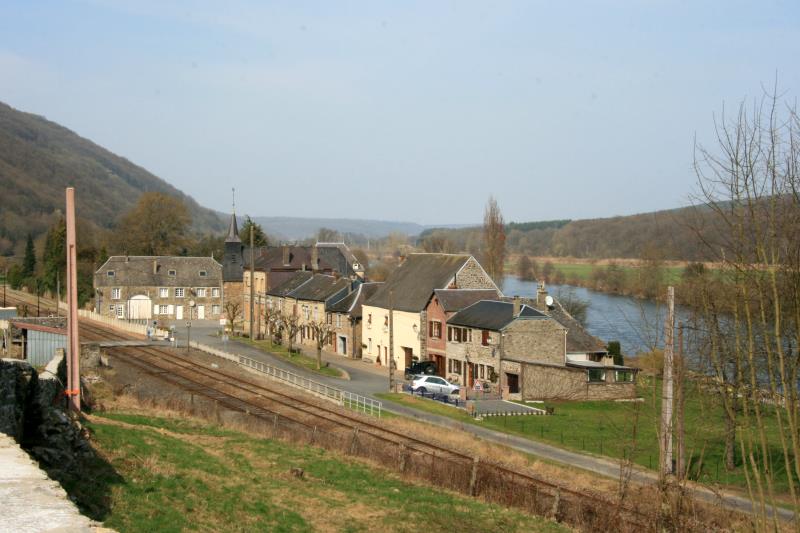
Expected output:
(401, 110)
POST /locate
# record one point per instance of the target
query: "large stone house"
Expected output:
(345, 317)
(159, 287)
(408, 291)
(444, 304)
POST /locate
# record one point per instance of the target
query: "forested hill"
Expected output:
(671, 234)
(39, 158)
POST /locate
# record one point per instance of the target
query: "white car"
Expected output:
(423, 384)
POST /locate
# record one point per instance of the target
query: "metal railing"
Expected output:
(347, 399)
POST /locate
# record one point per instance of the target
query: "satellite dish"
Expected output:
(548, 301)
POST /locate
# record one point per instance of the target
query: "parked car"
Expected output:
(420, 368)
(423, 384)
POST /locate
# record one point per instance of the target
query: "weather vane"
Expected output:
(233, 198)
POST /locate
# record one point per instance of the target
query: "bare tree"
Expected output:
(494, 241)
(322, 331)
(290, 326)
(750, 181)
(233, 314)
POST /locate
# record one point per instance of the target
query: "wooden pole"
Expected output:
(391, 338)
(252, 282)
(667, 386)
(73, 372)
(680, 461)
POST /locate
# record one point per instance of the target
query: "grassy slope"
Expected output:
(173, 475)
(615, 429)
(297, 359)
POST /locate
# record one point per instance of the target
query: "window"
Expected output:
(369, 320)
(485, 339)
(623, 376)
(338, 320)
(385, 320)
(455, 334)
(596, 375)
(369, 345)
(111, 308)
(120, 311)
(215, 292)
(203, 273)
(116, 293)
(215, 309)
(435, 329)
(201, 292)
(172, 272)
(480, 371)
(163, 292)
(163, 309)
(178, 292)
(110, 273)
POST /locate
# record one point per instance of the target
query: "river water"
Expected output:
(637, 324)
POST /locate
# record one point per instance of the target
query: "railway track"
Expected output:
(246, 396)
(14, 298)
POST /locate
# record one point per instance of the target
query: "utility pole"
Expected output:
(58, 293)
(680, 460)
(252, 282)
(5, 282)
(73, 372)
(38, 298)
(667, 386)
(391, 338)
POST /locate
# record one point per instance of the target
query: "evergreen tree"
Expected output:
(54, 257)
(29, 261)
(259, 237)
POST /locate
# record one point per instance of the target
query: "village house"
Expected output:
(444, 304)
(311, 299)
(407, 291)
(345, 317)
(159, 287)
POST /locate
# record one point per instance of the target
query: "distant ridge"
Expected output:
(39, 158)
(297, 228)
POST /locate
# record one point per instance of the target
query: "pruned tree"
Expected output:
(494, 241)
(233, 314)
(322, 331)
(290, 326)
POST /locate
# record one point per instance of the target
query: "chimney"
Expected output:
(314, 259)
(541, 295)
(285, 255)
(155, 266)
(517, 306)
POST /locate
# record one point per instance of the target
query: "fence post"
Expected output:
(473, 479)
(354, 442)
(403, 455)
(275, 425)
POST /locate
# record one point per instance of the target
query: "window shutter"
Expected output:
(430, 328)
(485, 337)
(155, 309)
(170, 309)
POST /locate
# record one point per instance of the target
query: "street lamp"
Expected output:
(189, 326)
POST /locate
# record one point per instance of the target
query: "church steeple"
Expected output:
(233, 262)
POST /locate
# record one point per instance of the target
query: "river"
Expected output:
(637, 324)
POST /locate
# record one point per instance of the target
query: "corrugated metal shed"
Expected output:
(41, 342)
(8, 312)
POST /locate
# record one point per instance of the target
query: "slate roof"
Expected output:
(319, 288)
(578, 339)
(297, 279)
(153, 271)
(353, 302)
(233, 230)
(453, 300)
(414, 281)
(340, 256)
(271, 258)
(492, 315)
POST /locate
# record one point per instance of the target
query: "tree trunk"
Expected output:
(319, 357)
(730, 443)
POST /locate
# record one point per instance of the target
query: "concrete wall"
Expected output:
(566, 383)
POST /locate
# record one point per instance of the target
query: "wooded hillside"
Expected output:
(39, 158)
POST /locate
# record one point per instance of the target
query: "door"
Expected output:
(179, 312)
(342, 348)
(513, 383)
(201, 312)
(409, 354)
(470, 375)
(141, 308)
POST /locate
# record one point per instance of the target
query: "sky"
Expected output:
(412, 111)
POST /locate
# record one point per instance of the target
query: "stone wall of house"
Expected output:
(349, 331)
(539, 340)
(107, 305)
(566, 383)
(472, 276)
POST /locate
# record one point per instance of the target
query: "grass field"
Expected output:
(297, 359)
(165, 474)
(583, 271)
(626, 429)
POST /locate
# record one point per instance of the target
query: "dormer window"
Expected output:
(110, 273)
(172, 273)
(203, 273)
